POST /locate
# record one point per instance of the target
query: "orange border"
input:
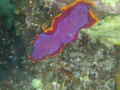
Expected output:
(93, 16)
(62, 9)
(51, 28)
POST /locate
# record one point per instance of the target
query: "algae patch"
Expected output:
(37, 84)
(106, 30)
(111, 3)
(6, 12)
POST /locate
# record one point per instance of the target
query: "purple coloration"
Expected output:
(65, 33)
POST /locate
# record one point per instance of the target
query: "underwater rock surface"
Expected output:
(87, 64)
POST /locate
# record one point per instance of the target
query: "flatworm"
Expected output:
(63, 29)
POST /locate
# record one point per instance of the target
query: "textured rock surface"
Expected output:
(107, 6)
(86, 64)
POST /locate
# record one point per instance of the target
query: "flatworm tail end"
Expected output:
(40, 60)
(51, 55)
(30, 56)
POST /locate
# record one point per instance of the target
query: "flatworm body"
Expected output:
(63, 30)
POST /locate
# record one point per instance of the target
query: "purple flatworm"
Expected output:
(63, 29)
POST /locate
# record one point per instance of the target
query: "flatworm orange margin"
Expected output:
(63, 30)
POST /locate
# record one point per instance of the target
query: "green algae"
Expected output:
(6, 11)
(37, 84)
(106, 30)
(118, 81)
(111, 3)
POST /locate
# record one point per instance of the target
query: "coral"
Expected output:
(111, 3)
(106, 30)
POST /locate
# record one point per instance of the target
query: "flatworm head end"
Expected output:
(67, 10)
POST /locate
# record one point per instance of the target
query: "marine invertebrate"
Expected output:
(63, 30)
